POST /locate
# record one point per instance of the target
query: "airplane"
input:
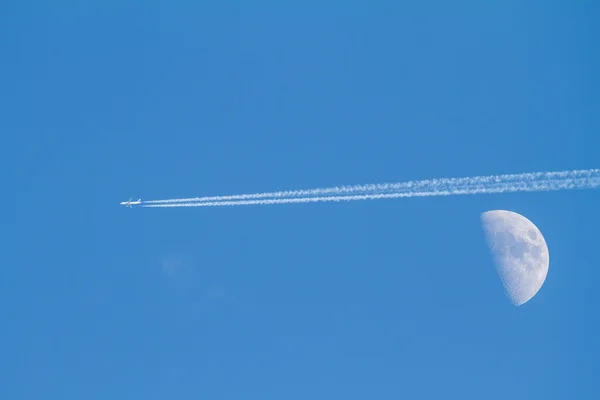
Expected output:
(130, 202)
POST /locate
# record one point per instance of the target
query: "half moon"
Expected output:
(519, 251)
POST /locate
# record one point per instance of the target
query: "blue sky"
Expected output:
(106, 100)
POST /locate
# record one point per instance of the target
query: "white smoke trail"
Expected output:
(591, 181)
(409, 186)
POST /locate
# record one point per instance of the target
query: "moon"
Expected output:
(519, 252)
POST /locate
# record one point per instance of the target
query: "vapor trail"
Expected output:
(432, 185)
(589, 179)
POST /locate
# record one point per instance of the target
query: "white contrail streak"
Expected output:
(393, 187)
(530, 182)
(411, 186)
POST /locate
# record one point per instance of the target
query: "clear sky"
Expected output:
(101, 101)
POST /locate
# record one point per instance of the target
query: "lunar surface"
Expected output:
(519, 252)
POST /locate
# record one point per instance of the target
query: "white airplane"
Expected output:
(131, 203)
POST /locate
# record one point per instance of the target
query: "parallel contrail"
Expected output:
(527, 182)
(392, 187)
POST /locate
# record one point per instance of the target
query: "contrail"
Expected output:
(527, 182)
(396, 187)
